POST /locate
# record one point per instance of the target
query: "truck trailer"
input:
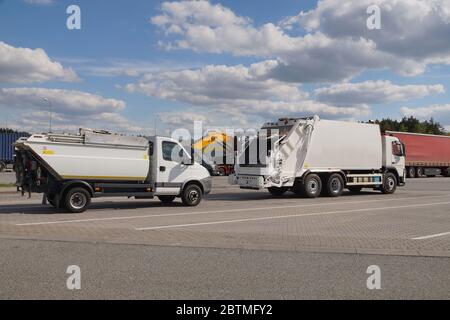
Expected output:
(7, 149)
(311, 156)
(70, 169)
(426, 155)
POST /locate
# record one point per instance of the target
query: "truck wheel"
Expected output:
(389, 184)
(166, 199)
(411, 172)
(335, 185)
(446, 172)
(2, 166)
(354, 189)
(192, 195)
(77, 200)
(312, 186)
(419, 172)
(278, 192)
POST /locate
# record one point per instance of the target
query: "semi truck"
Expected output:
(70, 169)
(7, 149)
(311, 156)
(426, 155)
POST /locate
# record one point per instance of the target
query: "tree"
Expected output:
(411, 124)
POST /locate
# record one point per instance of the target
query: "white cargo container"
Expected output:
(71, 169)
(314, 156)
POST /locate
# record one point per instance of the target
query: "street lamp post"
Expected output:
(50, 113)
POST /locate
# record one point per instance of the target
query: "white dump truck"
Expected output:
(311, 156)
(70, 169)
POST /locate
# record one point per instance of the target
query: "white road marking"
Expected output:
(432, 236)
(291, 216)
(221, 211)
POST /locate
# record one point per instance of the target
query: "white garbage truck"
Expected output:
(70, 169)
(312, 156)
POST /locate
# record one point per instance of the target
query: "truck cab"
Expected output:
(394, 157)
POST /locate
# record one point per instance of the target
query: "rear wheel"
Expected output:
(166, 199)
(191, 195)
(312, 186)
(2, 166)
(278, 192)
(411, 172)
(389, 184)
(335, 185)
(419, 172)
(77, 200)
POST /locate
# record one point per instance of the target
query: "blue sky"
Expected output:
(137, 68)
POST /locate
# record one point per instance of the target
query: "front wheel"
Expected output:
(389, 184)
(77, 200)
(192, 195)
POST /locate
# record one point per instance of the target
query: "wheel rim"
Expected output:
(78, 200)
(336, 185)
(390, 183)
(411, 172)
(419, 172)
(313, 186)
(193, 195)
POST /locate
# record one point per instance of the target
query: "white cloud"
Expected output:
(235, 94)
(216, 84)
(337, 47)
(63, 101)
(24, 65)
(374, 92)
(440, 113)
(40, 2)
(71, 110)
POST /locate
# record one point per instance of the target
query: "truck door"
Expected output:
(171, 172)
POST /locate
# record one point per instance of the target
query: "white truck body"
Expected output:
(357, 151)
(107, 165)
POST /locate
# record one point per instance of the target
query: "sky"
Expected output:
(134, 66)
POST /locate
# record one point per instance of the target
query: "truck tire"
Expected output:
(277, 192)
(334, 186)
(411, 172)
(166, 199)
(77, 200)
(2, 166)
(312, 186)
(191, 195)
(389, 183)
(419, 172)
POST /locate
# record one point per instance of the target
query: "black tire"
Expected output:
(191, 195)
(419, 172)
(277, 192)
(77, 200)
(389, 183)
(446, 172)
(2, 166)
(312, 186)
(334, 186)
(354, 189)
(166, 199)
(411, 172)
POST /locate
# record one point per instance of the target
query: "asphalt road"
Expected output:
(236, 244)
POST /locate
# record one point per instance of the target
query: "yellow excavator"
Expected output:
(208, 145)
